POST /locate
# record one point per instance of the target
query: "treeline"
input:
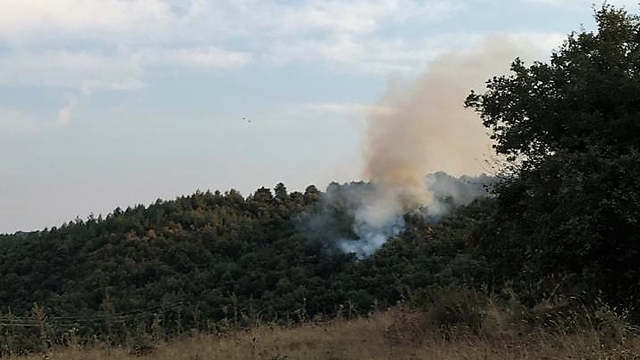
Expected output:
(208, 247)
(212, 259)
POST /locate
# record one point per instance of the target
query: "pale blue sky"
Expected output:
(107, 103)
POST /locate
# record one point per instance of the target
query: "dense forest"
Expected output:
(198, 260)
(561, 221)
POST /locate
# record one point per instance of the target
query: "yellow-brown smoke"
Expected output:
(427, 128)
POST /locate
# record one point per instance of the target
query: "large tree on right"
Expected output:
(568, 208)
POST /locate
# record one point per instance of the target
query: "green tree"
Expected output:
(569, 204)
(281, 192)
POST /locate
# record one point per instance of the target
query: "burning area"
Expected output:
(424, 156)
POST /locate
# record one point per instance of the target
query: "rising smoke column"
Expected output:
(427, 130)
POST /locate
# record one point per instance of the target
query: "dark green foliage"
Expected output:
(212, 260)
(200, 251)
(569, 207)
(419, 261)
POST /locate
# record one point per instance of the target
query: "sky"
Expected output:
(114, 103)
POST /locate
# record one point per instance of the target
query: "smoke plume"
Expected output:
(427, 131)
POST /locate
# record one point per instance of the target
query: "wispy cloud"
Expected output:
(94, 45)
(628, 4)
(359, 16)
(66, 111)
(110, 44)
(38, 20)
(368, 54)
(158, 21)
(348, 108)
(14, 120)
(17, 121)
(68, 69)
(64, 115)
(384, 56)
(120, 70)
(208, 57)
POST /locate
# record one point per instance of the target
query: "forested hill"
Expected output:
(562, 224)
(206, 245)
(213, 256)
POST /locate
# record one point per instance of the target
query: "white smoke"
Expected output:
(376, 213)
(428, 131)
(377, 218)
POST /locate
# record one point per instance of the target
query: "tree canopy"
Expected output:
(211, 260)
(569, 205)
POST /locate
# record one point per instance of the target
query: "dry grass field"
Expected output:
(394, 334)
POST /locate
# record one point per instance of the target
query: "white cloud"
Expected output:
(158, 21)
(341, 48)
(66, 69)
(114, 44)
(209, 56)
(143, 21)
(345, 32)
(122, 70)
(359, 16)
(64, 115)
(373, 55)
(402, 57)
(333, 17)
(628, 4)
(338, 16)
(33, 20)
(108, 44)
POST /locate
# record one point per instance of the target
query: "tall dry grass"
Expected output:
(459, 326)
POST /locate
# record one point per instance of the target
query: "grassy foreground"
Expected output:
(394, 334)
